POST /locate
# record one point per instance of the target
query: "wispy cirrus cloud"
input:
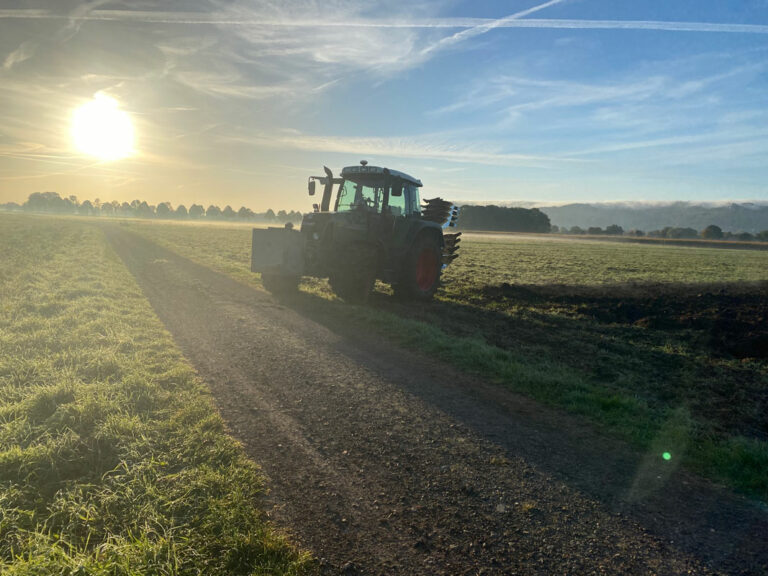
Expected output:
(25, 51)
(662, 85)
(430, 146)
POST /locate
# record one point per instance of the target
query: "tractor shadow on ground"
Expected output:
(700, 347)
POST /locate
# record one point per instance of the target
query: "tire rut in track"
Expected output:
(382, 462)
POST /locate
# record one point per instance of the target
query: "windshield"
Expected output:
(360, 196)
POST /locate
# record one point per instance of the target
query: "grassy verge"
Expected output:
(112, 457)
(662, 390)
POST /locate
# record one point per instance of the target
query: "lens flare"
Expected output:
(667, 456)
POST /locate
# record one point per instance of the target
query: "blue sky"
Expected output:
(238, 102)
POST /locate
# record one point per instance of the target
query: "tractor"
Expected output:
(375, 227)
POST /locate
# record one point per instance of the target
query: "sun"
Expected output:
(101, 129)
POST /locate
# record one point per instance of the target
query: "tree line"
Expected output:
(711, 232)
(53, 203)
(502, 219)
(482, 218)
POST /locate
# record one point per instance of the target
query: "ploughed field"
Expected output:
(564, 406)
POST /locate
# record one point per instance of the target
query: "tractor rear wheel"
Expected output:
(420, 276)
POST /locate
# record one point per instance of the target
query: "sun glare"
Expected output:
(101, 129)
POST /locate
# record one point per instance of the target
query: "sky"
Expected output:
(238, 102)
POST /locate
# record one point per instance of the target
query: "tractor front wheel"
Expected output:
(420, 277)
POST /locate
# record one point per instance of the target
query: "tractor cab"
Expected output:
(370, 189)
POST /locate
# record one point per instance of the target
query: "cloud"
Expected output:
(619, 101)
(228, 85)
(24, 52)
(320, 20)
(484, 27)
(437, 147)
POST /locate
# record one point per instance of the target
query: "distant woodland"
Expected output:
(501, 219)
(53, 203)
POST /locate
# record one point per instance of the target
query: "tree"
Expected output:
(245, 213)
(270, 215)
(144, 210)
(213, 211)
(86, 208)
(712, 232)
(636, 232)
(181, 211)
(196, 211)
(71, 204)
(762, 236)
(228, 212)
(282, 216)
(614, 230)
(594, 231)
(164, 210)
(576, 230)
(744, 237)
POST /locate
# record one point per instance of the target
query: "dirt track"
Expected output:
(383, 462)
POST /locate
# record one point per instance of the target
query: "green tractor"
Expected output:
(376, 229)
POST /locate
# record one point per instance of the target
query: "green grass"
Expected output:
(660, 390)
(487, 259)
(112, 457)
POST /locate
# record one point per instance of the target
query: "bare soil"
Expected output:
(385, 462)
(734, 320)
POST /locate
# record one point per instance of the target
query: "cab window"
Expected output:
(397, 204)
(411, 195)
(359, 196)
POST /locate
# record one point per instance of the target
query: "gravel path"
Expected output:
(384, 462)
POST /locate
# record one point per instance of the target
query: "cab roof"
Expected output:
(349, 171)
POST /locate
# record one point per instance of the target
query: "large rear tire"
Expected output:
(420, 277)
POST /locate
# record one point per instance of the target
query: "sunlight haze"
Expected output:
(239, 102)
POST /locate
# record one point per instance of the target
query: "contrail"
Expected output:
(218, 19)
(485, 27)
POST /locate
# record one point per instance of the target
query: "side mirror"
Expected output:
(397, 190)
(311, 187)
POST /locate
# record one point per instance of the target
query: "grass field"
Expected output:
(112, 457)
(642, 340)
(487, 259)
